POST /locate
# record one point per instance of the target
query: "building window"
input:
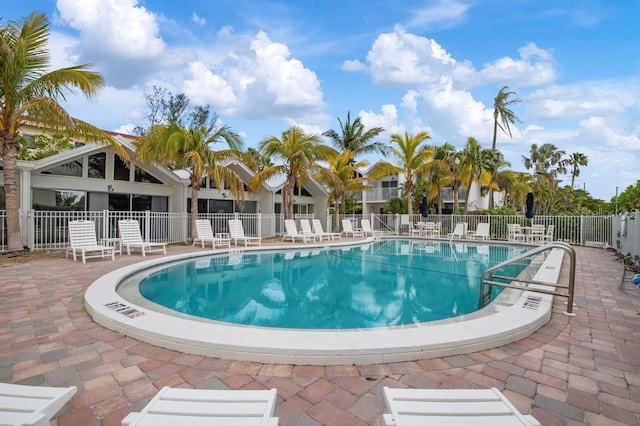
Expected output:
(140, 203)
(3, 204)
(120, 169)
(142, 176)
(119, 202)
(97, 165)
(249, 207)
(220, 206)
(72, 168)
(59, 200)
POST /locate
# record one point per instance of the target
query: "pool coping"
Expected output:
(505, 322)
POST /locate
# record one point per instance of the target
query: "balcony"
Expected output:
(446, 195)
(381, 194)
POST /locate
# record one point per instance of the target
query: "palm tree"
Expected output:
(353, 137)
(478, 160)
(414, 158)
(342, 178)
(576, 160)
(299, 151)
(546, 162)
(177, 147)
(503, 117)
(438, 172)
(31, 94)
(254, 160)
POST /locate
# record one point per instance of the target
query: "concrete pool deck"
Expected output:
(581, 370)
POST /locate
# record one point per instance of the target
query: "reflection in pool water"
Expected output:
(386, 283)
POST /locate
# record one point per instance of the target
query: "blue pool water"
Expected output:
(386, 283)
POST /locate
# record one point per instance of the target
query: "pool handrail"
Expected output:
(488, 274)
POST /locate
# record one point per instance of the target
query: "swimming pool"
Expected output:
(386, 283)
(509, 318)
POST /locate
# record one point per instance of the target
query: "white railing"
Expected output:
(381, 194)
(48, 230)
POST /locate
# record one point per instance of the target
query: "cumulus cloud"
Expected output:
(578, 101)
(199, 20)
(353, 65)
(121, 38)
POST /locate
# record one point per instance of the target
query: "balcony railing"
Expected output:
(382, 194)
(447, 195)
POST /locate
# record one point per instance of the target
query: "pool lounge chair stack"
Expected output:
(204, 234)
(409, 407)
(82, 239)
(305, 229)
(321, 235)
(31, 405)
(132, 238)
(291, 233)
(185, 407)
(236, 230)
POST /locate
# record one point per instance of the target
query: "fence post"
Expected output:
(582, 230)
(147, 225)
(31, 230)
(106, 232)
(397, 224)
(260, 225)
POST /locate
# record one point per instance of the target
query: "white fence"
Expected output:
(46, 230)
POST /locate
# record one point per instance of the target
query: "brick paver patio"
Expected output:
(584, 370)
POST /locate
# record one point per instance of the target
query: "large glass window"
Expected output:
(140, 203)
(3, 204)
(120, 169)
(220, 206)
(72, 168)
(44, 199)
(97, 165)
(143, 176)
(119, 202)
(249, 207)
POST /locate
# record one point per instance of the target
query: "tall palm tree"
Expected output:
(503, 116)
(177, 147)
(340, 175)
(576, 160)
(353, 137)
(438, 173)
(30, 93)
(299, 151)
(414, 158)
(478, 160)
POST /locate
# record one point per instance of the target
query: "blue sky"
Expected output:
(403, 65)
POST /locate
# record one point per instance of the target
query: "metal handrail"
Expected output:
(488, 274)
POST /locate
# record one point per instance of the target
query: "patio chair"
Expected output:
(175, 406)
(31, 405)
(367, 230)
(515, 233)
(291, 233)
(349, 230)
(459, 231)
(236, 230)
(205, 234)
(82, 239)
(451, 407)
(320, 234)
(536, 234)
(132, 238)
(548, 237)
(305, 229)
(481, 232)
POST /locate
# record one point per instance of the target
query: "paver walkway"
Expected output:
(584, 370)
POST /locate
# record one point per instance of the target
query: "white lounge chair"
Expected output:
(205, 235)
(321, 235)
(185, 407)
(451, 407)
(548, 237)
(291, 233)
(481, 232)
(367, 230)
(31, 405)
(236, 230)
(82, 239)
(132, 238)
(305, 229)
(460, 231)
(349, 230)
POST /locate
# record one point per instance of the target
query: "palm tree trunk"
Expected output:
(466, 198)
(195, 187)
(456, 200)
(495, 129)
(9, 152)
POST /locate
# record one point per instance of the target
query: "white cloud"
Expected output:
(205, 87)
(409, 101)
(198, 19)
(121, 38)
(353, 65)
(444, 13)
(579, 100)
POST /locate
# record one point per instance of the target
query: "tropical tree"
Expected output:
(341, 177)
(480, 163)
(575, 161)
(254, 160)
(437, 171)
(458, 177)
(413, 157)
(503, 116)
(30, 93)
(189, 148)
(547, 162)
(355, 138)
(299, 152)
